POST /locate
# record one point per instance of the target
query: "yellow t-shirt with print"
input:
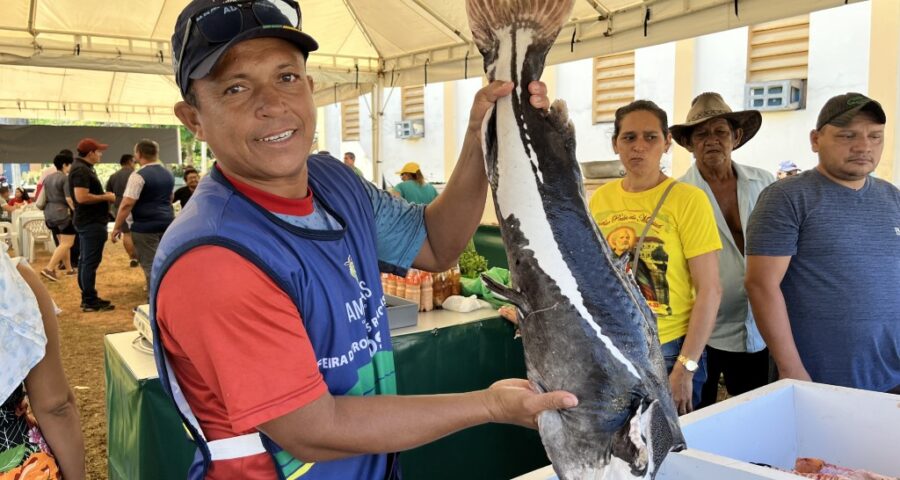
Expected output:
(684, 228)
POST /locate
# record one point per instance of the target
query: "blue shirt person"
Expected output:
(823, 260)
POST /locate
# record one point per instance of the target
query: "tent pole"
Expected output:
(203, 160)
(376, 129)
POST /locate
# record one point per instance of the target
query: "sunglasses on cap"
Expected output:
(221, 23)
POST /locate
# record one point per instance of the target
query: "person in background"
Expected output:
(116, 184)
(148, 199)
(75, 252)
(183, 194)
(823, 257)
(6, 208)
(90, 219)
(49, 444)
(307, 238)
(413, 188)
(712, 132)
(21, 198)
(350, 161)
(58, 217)
(677, 263)
(787, 169)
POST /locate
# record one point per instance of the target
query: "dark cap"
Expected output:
(88, 145)
(840, 110)
(200, 55)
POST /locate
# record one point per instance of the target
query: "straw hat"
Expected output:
(710, 105)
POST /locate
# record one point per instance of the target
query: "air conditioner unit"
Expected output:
(775, 95)
(410, 128)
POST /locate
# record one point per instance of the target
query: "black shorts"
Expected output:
(67, 229)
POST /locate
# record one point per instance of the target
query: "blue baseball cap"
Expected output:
(787, 166)
(206, 29)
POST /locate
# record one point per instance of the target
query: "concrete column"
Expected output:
(884, 77)
(684, 93)
(204, 161)
(321, 139)
(451, 144)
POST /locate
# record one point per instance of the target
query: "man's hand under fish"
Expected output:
(516, 402)
(488, 95)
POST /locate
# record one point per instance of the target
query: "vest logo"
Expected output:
(897, 231)
(351, 267)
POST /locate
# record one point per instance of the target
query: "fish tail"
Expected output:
(546, 17)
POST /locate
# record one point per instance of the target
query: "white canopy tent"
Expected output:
(110, 60)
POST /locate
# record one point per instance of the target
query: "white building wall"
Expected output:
(465, 94)
(654, 79)
(838, 63)
(428, 152)
(332, 128)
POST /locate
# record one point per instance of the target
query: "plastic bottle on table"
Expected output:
(391, 285)
(401, 287)
(413, 291)
(427, 303)
(457, 283)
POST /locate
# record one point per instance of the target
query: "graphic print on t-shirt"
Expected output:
(652, 259)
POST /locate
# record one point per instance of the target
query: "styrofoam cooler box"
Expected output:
(777, 423)
(401, 312)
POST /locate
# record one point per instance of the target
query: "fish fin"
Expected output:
(505, 293)
(634, 441)
(545, 17)
(558, 116)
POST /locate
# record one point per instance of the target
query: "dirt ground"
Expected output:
(81, 340)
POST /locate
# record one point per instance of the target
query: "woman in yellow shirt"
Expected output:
(677, 267)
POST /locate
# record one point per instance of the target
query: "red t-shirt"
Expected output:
(236, 343)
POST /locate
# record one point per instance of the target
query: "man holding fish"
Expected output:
(275, 375)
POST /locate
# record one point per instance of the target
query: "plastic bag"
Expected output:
(474, 286)
(458, 303)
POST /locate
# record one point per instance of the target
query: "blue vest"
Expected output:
(152, 213)
(331, 276)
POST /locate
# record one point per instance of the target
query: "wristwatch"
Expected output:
(689, 365)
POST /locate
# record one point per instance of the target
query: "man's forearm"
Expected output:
(384, 424)
(122, 214)
(770, 312)
(89, 198)
(454, 215)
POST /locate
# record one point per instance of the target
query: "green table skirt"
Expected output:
(148, 442)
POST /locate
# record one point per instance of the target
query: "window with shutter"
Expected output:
(350, 120)
(413, 102)
(779, 50)
(613, 84)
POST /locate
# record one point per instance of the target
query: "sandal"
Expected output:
(49, 275)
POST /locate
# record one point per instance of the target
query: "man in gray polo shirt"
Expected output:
(823, 264)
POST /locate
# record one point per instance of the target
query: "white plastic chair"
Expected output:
(6, 234)
(37, 232)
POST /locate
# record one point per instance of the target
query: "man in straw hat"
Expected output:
(711, 133)
(823, 258)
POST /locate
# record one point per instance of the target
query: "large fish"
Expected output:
(585, 326)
